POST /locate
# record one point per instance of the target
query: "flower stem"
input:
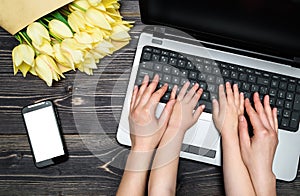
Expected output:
(78, 7)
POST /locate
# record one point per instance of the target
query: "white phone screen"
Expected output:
(44, 134)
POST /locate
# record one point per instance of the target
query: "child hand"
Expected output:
(183, 117)
(227, 109)
(145, 129)
(258, 152)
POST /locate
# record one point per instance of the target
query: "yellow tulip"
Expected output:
(47, 69)
(23, 58)
(37, 33)
(97, 18)
(62, 57)
(60, 29)
(76, 21)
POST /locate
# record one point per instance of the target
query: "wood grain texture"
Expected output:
(96, 159)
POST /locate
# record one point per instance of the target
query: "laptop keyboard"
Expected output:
(177, 68)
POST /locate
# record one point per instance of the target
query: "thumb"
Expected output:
(243, 132)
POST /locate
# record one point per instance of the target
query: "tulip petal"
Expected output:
(97, 18)
(37, 33)
(60, 29)
(43, 69)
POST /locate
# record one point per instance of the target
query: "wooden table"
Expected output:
(89, 108)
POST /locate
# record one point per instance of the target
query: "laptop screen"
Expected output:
(265, 26)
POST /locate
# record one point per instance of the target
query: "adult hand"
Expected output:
(258, 152)
(145, 129)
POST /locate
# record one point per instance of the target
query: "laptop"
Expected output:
(255, 44)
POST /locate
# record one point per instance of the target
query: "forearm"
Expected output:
(165, 165)
(236, 177)
(135, 174)
(264, 184)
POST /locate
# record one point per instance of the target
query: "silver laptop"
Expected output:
(236, 42)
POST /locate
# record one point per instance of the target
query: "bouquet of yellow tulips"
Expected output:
(72, 37)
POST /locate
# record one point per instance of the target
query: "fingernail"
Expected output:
(203, 107)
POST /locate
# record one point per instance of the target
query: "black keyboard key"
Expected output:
(189, 65)
(245, 86)
(144, 72)
(202, 85)
(216, 71)
(225, 73)
(252, 79)
(291, 87)
(234, 75)
(295, 118)
(285, 122)
(166, 79)
(175, 71)
(157, 67)
(165, 53)
(289, 96)
(288, 105)
(297, 102)
(166, 69)
(184, 73)
(254, 88)
(175, 80)
(273, 92)
(211, 79)
(243, 77)
(274, 83)
(147, 49)
(164, 59)
(263, 90)
(212, 88)
(207, 69)
(281, 94)
(193, 75)
(272, 101)
(155, 57)
(205, 96)
(279, 103)
(263, 81)
(181, 63)
(147, 56)
(286, 113)
(283, 85)
(146, 65)
(173, 61)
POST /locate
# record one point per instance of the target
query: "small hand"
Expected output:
(227, 109)
(258, 152)
(183, 117)
(145, 129)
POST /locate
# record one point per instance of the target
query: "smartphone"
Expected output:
(44, 134)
